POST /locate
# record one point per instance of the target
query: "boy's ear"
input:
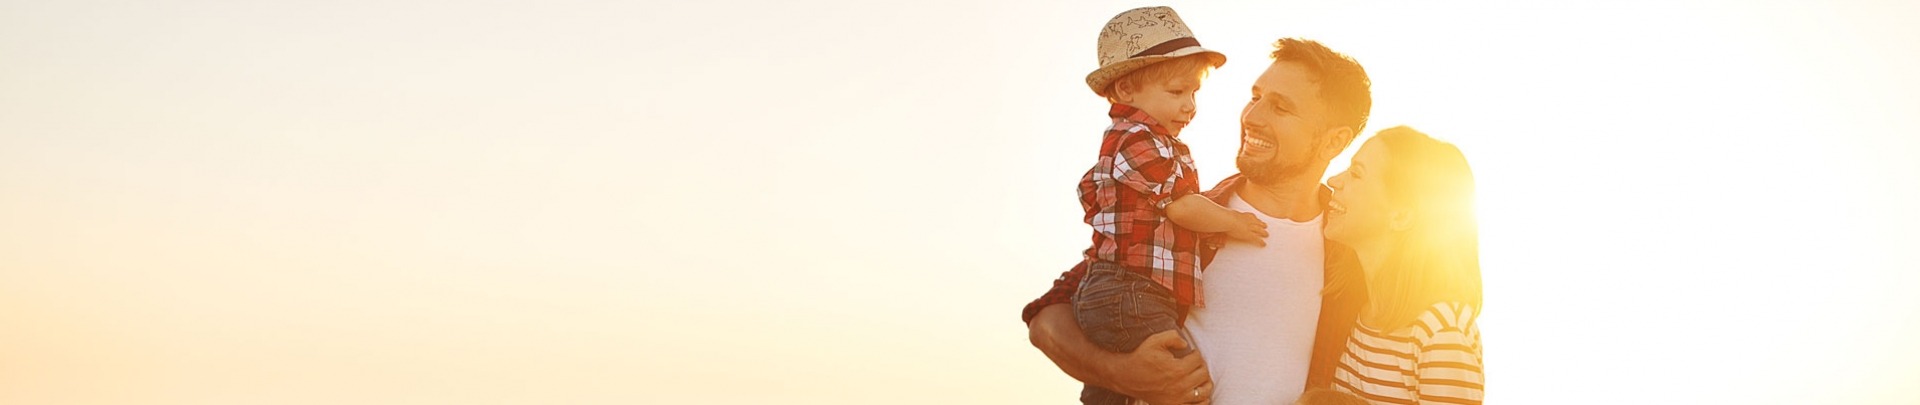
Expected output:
(1123, 90)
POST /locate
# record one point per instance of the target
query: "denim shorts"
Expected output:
(1118, 309)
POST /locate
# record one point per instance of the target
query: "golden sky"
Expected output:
(733, 202)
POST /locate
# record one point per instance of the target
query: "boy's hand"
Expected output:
(1248, 228)
(1195, 212)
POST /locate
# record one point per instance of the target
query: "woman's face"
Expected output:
(1359, 215)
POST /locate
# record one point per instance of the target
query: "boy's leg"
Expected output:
(1118, 310)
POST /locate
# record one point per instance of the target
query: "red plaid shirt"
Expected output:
(1340, 300)
(1125, 195)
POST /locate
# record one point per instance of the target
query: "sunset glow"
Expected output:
(756, 202)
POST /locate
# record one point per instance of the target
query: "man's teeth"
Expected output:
(1336, 207)
(1258, 142)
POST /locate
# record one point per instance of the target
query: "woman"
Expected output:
(1405, 206)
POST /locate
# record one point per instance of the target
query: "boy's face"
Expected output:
(1169, 102)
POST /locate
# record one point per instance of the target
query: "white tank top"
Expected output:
(1262, 306)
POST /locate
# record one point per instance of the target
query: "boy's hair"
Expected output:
(1196, 64)
(1344, 86)
(1323, 396)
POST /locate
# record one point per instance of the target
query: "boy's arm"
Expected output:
(1197, 213)
(1144, 165)
(1150, 372)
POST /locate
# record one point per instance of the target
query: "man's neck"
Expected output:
(1296, 199)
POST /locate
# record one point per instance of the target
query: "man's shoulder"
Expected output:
(1344, 277)
(1223, 191)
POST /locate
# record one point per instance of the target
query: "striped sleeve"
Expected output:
(1447, 359)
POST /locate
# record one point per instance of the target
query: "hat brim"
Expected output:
(1100, 78)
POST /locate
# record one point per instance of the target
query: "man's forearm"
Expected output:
(1151, 373)
(1057, 335)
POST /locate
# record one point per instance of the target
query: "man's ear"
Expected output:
(1337, 138)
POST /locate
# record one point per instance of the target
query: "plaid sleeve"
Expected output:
(1147, 166)
(1061, 293)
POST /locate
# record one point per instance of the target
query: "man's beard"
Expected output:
(1271, 171)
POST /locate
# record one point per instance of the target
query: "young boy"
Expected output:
(1142, 197)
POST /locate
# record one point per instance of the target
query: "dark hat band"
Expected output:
(1164, 47)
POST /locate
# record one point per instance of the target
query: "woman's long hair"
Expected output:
(1437, 258)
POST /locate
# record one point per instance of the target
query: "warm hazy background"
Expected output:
(601, 202)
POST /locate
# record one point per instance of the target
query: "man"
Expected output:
(1277, 316)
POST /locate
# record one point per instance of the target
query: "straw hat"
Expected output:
(1140, 37)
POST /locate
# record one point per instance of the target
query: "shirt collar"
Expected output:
(1223, 192)
(1123, 112)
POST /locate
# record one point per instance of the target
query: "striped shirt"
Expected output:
(1436, 360)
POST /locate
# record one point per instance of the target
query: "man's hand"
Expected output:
(1154, 374)
(1156, 371)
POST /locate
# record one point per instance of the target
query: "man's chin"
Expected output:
(1248, 164)
(1265, 171)
(1253, 168)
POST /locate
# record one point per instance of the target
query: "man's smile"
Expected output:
(1251, 145)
